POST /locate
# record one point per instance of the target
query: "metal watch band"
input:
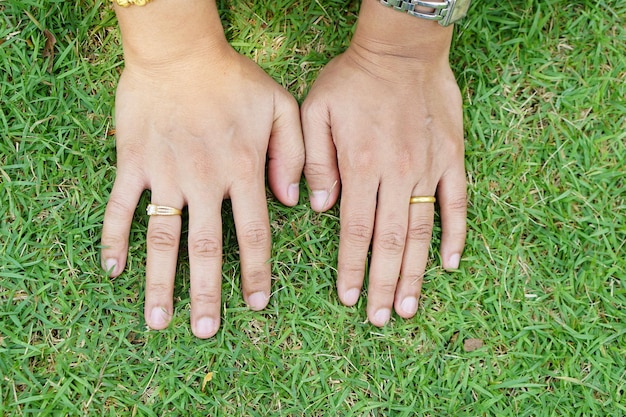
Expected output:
(445, 12)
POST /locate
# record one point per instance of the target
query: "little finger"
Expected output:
(118, 217)
(452, 196)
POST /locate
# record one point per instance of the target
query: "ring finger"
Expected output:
(415, 257)
(162, 241)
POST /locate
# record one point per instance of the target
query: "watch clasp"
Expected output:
(457, 10)
(445, 12)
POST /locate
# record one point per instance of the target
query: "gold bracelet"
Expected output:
(126, 3)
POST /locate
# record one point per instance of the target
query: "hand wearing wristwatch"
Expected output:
(445, 12)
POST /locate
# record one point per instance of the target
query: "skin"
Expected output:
(195, 121)
(383, 122)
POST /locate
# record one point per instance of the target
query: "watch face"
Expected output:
(458, 10)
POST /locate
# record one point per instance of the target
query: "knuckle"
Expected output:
(132, 153)
(454, 236)
(158, 289)
(256, 279)
(113, 241)
(403, 163)
(456, 148)
(420, 230)
(357, 232)
(119, 207)
(292, 156)
(351, 269)
(202, 166)
(315, 169)
(204, 245)
(131, 157)
(203, 298)
(384, 287)
(256, 235)
(361, 162)
(457, 204)
(392, 239)
(413, 278)
(161, 238)
(248, 161)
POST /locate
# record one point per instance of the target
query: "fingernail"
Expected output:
(382, 316)
(158, 318)
(319, 200)
(293, 193)
(409, 305)
(258, 300)
(206, 327)
(351, 296)
(453, 261)
(109, 266)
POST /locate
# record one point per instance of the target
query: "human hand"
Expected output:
(385, 120)
(195, 131)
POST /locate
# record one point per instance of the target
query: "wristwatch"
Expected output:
(446, 12)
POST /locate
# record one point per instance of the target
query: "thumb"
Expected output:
(320, 169)
(285, 150)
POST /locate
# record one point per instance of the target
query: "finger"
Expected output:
(205, 262)
(452, 197)
(358, 207)
(286, 150)
(118, 217)
(253, 235)
(390, 232)
(162, 241)
(320, 168)
(415, 257)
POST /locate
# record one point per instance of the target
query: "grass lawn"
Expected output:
(543, 278)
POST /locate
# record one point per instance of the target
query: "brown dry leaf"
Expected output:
(48, 49)
(472, 344)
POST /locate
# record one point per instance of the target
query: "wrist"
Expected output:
(384, 31)
(170, 31)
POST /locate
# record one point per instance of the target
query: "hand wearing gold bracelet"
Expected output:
(127, 3)
(195, 122)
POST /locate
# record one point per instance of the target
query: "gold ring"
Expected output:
(421, 199)
(154, 210)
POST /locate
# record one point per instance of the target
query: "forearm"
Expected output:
(165, 31)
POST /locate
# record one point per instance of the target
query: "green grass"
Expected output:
(543, 277)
